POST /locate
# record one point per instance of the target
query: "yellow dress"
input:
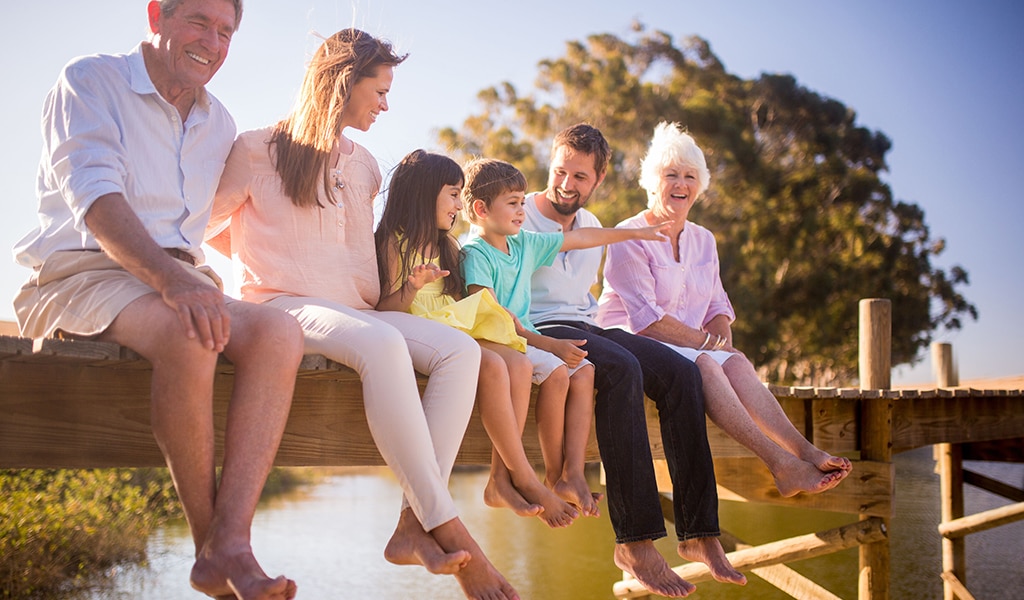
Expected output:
(479, 315)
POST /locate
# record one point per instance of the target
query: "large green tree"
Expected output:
(805, 226)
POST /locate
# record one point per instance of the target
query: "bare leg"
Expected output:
(550, 415)
(266, 347)
(579, 411)
(411, 545)
(504, 401)
(769, 416)
(479, 579)
(643, 561)
(708, 550)
(792, 474)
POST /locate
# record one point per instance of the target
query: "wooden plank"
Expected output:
(925, 422)
(797, 548)
(959, 590)
(993, 486)
(876, 435)
(834, 425)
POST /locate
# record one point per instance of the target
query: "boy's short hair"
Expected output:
(486, 179)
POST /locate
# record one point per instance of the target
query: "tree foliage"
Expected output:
(805, 225)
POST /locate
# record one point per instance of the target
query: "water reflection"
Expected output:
(330, 539)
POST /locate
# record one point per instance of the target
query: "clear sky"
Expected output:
(943, 80)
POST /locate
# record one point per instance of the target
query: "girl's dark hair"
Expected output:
(410, 209)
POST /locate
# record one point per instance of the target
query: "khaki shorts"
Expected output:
(544, 363)
(81, 292)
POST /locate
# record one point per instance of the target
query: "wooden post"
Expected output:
(950, 466)
(875, 344)
(942, 364)
(876, 430)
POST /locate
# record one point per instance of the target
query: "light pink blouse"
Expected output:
(643, 282)
(280, 249)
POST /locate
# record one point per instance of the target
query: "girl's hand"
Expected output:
(657, 233)
(570, 351)
(423, 274)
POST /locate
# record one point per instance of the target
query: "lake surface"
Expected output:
(330, 538)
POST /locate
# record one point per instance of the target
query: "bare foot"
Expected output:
(803, 476)
(708, 550)
(479, 579)
(500, 493)
(237, 575)
(574, 490)
(643, 561)
(411, 545)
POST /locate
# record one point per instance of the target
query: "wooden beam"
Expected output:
(868, 531)
(993, 486)
(958, 528)
(959, 589)
(951, 498)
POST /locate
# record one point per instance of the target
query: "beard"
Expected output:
(567, 209)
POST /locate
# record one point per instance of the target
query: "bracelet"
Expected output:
(719, 342)
(706, 340)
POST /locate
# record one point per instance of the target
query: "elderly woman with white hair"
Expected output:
(672, 292)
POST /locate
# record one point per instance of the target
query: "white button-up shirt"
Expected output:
(107, 130)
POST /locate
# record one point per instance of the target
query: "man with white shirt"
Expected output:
(133, 147)
(627, 367)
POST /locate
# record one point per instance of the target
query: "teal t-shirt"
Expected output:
(509, 274)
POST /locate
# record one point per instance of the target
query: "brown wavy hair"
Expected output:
(301, 143)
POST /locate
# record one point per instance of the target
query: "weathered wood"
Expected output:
(801, 547)
(960, 590)
(951, 500)
(875, 344)
(943, 365)
(876, 445)
(960, 527)
(782, 577)
(993, 486)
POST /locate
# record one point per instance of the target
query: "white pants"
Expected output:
(418, 439)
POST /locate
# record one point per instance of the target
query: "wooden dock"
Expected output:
(76, 404)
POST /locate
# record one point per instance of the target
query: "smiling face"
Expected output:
(189, 45)
(449, 203)
(504, 216)
(572, 179)
(678, 186)
(368, 99)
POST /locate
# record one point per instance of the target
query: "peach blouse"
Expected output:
(281, 249)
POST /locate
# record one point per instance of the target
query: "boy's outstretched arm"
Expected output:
(589, 237)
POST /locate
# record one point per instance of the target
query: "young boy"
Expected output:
(502, 257)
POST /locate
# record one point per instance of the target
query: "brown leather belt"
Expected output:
(181, 255)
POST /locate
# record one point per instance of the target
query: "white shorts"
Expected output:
(544, 363)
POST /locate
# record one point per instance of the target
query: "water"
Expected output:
(330, 538)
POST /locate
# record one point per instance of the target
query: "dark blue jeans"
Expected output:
(626, 367)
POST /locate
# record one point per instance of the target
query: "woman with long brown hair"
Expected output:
(295, 210)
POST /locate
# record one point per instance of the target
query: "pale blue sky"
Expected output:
(944, 80)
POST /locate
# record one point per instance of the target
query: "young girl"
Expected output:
(298, 197)
(418, 261)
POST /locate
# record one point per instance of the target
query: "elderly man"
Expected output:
(627, 366)
(133, 147)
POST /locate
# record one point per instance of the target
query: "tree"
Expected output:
(805, 226)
